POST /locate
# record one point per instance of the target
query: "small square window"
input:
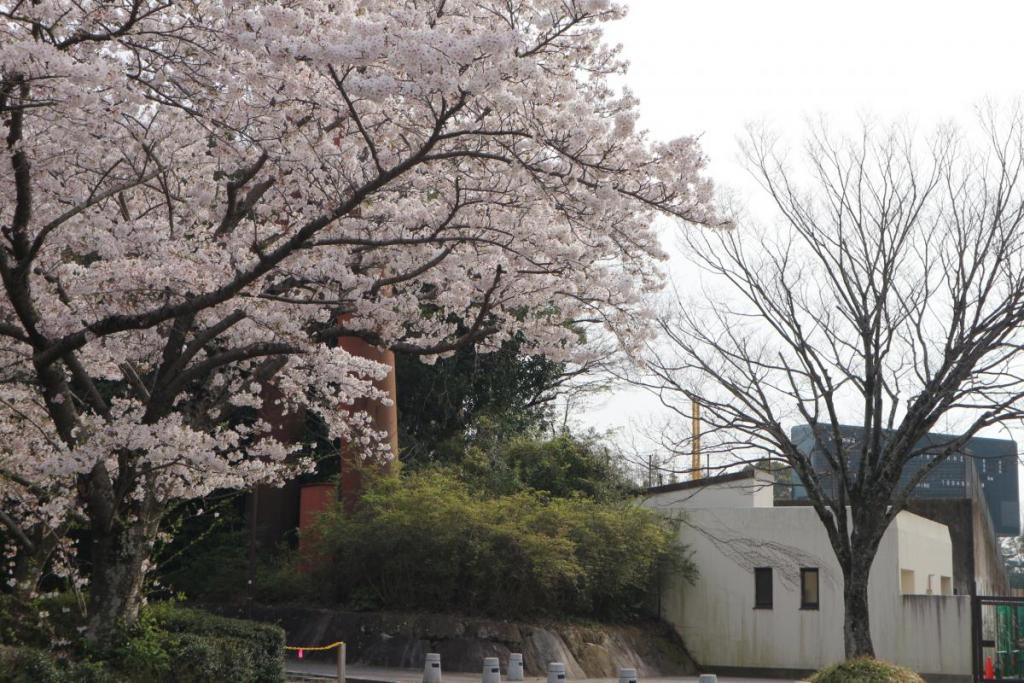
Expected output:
(763, 588)
(809, 588)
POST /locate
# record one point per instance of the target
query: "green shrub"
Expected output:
(34, 665)
(19, 624)
(200, 658)
(89, 672)
(211, 573)
(425, 542)
(214, 569)
(281, 579)
(562, 466)
(28, 665)
(168, 644)
(865, 670)
(240, 650)
(173, 643)
(39, 622)
(566, 465)
(145, 651)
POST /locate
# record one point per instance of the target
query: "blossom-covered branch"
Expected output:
(202, 195)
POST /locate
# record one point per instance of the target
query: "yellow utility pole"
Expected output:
(695, 472)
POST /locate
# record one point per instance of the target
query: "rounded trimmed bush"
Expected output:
(865, 670)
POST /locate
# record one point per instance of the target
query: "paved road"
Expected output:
(416, 675)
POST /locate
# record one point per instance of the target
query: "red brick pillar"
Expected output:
(383, 418)
(277, 513)
(315, 498)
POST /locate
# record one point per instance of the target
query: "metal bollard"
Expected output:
(341, 662)
(708, 678)
(432, 668)
(556, 672)
(515, 666)
(627, 675)
(491, 672)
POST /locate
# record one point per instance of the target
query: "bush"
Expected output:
(28, 665)
(865, 670)
(282, 578)
(20, 625)
(212, 574)
(206, 647)
(562, 467)
(39, 622)
(425, 542)
(33, 665)
(212, 569)
(169, 644)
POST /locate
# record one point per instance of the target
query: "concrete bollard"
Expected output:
(432, 668)
(491, 672)
(627, 675)
(556, 672)
(515, 666)
(708, 678)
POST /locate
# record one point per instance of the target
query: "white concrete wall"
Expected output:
(718, 622)
(924, 548)
(928, 633)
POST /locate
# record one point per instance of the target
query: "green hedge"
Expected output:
(426, 542)
(169, 644)
(33, 665)
(865, 670)
(204, 640)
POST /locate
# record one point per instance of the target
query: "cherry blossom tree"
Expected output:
(202, 196)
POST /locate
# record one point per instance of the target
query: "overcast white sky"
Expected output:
(709, 67)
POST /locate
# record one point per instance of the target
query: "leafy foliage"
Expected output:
(35, 665)
(865, 670)
(1012, 550)
(40, 622)
(217, 569)
(27, 665)
(206, 647)
(428, 542)
(214, 566)
(207, 551)
(168, 644)
(562, 466)
(442, 405)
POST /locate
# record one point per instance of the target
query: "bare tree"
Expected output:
(890, 298)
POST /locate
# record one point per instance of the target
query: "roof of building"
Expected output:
(745, 473)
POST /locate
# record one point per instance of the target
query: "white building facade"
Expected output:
(769, 594)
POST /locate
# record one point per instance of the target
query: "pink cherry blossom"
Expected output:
(196, 193)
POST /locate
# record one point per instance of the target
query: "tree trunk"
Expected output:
(856, 624)
(119, 559)
(29, 566)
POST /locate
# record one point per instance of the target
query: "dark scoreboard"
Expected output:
(993, 462)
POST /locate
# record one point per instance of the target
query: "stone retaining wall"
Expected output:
(401, 640)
